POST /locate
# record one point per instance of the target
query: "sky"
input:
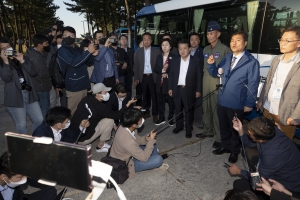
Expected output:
(69, 18)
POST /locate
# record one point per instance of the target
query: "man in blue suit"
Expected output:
(105, 68)
(240, 78)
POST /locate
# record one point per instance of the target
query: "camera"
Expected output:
(254, 178)
(112, 40)
(97, 46)
(10, 53)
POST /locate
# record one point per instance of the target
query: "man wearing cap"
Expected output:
(218, 51)
(102, 117)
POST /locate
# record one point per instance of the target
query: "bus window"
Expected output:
(280, 14)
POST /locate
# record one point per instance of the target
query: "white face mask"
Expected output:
(58, 46)
(139, 126)
(105, 97)
(67, 125)
(16, 184)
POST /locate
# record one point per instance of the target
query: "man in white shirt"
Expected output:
(185, 83)
(281, 93)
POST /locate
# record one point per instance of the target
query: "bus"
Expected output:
(263, 20)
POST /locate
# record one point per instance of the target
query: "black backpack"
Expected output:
(57, 76)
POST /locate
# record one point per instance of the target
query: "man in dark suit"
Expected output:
(56, 126)
(130, 53)
(185, 83)
(197, 52)
(144, 60)
(10, 185)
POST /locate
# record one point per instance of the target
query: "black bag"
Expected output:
(56, 74)
(120, 170)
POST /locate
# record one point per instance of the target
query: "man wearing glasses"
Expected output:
(73, 63)
(281, 93)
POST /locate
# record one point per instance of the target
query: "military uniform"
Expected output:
(210, 116)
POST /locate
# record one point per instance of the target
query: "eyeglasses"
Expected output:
(67, 35)
(284, 42)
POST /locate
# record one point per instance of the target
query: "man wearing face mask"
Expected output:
(10, 185)
(102, 120)
(56, 126)
(42, 81)
(73, 63)
(128, 143)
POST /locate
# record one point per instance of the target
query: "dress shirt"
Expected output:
(6, 192)
(194, 51)
(184, 65)
(131, 133)
(147, 64)
(238, 58)
(57, 134)
(283, 69)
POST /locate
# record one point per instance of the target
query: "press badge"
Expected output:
(277, 93)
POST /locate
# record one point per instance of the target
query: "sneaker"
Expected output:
(104, 149)
(159, 122)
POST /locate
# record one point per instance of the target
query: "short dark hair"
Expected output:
(147, 33)
(39, 39)
(57, 114)
(123, 36)
(192, 34)
(95, 33)
(166, 34)
(70, 29)
(236, 194)
(84, 43)
(4, 168)
(120, 88)
(131, 116)
(294, 28)
(5, 40)
(59, 36)
(243, 34)
(167, 40)
(262, 128)
(184, 41)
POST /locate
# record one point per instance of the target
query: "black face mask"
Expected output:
(46, 48)
(69, 40)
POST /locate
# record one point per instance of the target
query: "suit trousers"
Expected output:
(149, 93)
(230, 138)
(161, 101)
(198, 111)
(181, 103)
(139, 92)
(128, 83)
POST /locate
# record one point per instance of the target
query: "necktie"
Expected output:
(232, 62)
(162, 79)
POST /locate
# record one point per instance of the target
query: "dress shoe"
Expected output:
(155, 118)
(216, 145)
(233, 158)
(177, 130)
(202, 135)
(146, 115)
(160, 122)
(188, 134)
(220, 151)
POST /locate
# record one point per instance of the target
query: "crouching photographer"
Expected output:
(274, 155)
(20, 97)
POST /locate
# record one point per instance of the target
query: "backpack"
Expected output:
(57, 76)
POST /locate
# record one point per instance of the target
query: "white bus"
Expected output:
(263, 20)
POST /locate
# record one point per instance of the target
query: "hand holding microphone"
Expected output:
(220, 74)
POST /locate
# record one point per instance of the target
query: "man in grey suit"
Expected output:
(144, 62)
(280, 96)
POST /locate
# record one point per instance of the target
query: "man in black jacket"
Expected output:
(102, 118)
(10, 185)
(185, 83)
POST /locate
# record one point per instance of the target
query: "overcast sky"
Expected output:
(69, 18)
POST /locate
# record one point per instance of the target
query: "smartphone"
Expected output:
(235, 116)
(10, 53)
(97, 46)
(136, 97)
(112, 40)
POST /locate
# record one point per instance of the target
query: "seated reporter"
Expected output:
(128, 143)
(56, 126)
(10, 185)
(278, 157)
(102, 119)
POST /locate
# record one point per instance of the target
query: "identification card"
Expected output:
(277, 93)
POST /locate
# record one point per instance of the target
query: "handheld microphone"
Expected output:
(220, 74)
(89, 117)
(87, 107)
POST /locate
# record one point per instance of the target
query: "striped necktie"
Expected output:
(232, 62)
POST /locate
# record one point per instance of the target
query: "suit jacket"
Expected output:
(289, 105)
(121, 56)
(158, 70)
(194, 75)
(199, 54)
(125, 146)
(139, 63)
(100, 64)
(67, 135)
